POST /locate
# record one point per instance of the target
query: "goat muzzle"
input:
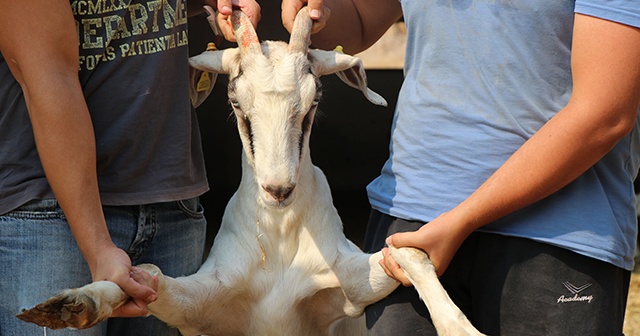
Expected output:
(279, 193)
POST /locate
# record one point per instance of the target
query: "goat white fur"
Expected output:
(280, 264)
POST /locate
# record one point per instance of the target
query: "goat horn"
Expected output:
(245, 34)
(301, 32)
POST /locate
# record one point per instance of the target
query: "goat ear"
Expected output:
(348, 68)
(218, 61)
(200, 85)
(204, 70)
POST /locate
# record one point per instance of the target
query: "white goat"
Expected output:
(280, 264)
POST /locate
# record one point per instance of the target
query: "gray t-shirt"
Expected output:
(134, 73)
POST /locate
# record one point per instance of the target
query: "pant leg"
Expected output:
(171, 236)
(39, 258)
(523, 287)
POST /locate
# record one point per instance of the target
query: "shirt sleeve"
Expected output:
(621, 11)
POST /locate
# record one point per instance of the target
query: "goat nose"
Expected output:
(279, 192)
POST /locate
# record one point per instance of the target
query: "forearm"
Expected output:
(603, 109)
(557, 154)
(65, 141)
(365, 22)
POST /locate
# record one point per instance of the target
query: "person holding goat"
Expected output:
(516, 140)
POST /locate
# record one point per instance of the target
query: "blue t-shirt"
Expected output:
(481, 78)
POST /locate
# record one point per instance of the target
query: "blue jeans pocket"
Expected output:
(192, 207)
(47, 209)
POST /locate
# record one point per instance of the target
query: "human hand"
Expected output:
(225, 7)
(440, 239)
(113, 264)
(318, 12)
(136, 307)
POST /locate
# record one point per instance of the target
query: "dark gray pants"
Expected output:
(508, 286)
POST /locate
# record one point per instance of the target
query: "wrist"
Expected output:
(462, 222)
(93, 244)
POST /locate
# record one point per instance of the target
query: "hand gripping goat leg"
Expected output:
(445, 315)
(280, 263)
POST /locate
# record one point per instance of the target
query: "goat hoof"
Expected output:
(67, 309)
(411, 258)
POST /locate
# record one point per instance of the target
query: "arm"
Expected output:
(366, 21)
(39, 41)
(602, 109)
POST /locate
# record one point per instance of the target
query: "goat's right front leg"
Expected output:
(78, 308)
(84, 307)
(81, 308)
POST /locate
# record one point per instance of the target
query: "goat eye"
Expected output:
(316, 101)
(234, 103)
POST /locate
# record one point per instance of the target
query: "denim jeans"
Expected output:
(39, 257)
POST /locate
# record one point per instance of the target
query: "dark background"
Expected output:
(349, 140)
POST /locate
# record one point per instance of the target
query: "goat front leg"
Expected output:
(363, 280)
(193, 303)
(78, 308)
(447, 318)
(84, 307)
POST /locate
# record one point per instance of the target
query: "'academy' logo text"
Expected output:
(575, 291)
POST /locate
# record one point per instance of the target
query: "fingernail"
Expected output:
(226, 9)
(388, 240)
(152, 298)
(315, 14)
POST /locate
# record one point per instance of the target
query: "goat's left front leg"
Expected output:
(79, 308)
(447, 318)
